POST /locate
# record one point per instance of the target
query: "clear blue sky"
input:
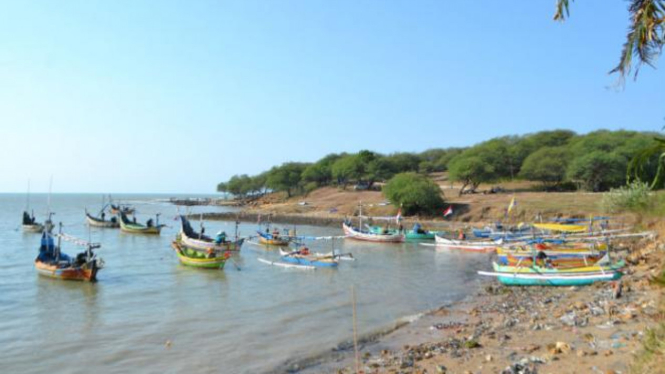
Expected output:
(175, 96)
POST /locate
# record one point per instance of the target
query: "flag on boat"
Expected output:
(513, 204)
(398, 217)
(448, 212)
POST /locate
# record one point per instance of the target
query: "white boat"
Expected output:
(353, 233)
(467, 245)
(287, 265)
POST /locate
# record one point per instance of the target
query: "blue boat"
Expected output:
(302, 257)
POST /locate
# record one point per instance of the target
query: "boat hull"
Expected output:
(88, 274)
(198, 260)
(463, 245)
(351, 233)
(96, 222)
(36, 228)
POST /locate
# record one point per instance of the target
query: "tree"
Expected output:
(415, 193)
(547, 165)
(471, 170)
(646, 34)
(222, 187)
(345, 169)
(286, 177)
(321, 171)
(598, 171)
(404, 162)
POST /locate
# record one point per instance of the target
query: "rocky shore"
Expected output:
(511, 330)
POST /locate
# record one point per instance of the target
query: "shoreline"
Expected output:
(501, 329)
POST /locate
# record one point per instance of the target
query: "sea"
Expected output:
(147, 313)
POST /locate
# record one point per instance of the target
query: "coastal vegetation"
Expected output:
(415, 193)
(559, 160)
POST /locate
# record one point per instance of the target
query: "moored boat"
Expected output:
(117, 209)
(101, 221)
(534, 269)
(273, 239)
(357, 234)
(51, 262)
(304, 257)
(522, 279)
(191, 239)
(136, 228)
(198, 259)
(467, 245)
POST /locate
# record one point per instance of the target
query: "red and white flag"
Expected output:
(448, 212)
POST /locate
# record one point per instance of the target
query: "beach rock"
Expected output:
(441, 369)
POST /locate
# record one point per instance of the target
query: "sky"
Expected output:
(176, 96)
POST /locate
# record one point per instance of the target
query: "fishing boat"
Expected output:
(304, 257)
(30, 223)
(467, 245)
(522, 279)
(553, 251)
(557, 262)
(101, 221)
(273, 239)
(198, 259)
(355, 233)
(51, 262)
(197, 241)
(136, 228)
(534, 269)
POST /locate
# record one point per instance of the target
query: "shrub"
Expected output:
(415, 193)
(635, 197)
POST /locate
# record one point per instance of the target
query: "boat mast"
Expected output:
(27, 199)
(57, 248)
(360, 216)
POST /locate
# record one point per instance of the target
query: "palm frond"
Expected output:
(636, 166)
(561, 10)
(645, 36)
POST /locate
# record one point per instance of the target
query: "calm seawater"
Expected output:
(232, 321)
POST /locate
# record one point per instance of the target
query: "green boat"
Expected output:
(198, 259)
(427, 235)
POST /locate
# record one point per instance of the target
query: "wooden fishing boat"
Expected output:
(51, 262)
(427, 235)
(198, 259)
(287, 265)
(117, 209)
(101, 222)
(593, 269)
(136, 228)
(354, 233)
(557, 262)
(521, 279)
(191, 239)
(272, 239)
(554, 251)
(304, 257)
(30, 224)
(467, 245)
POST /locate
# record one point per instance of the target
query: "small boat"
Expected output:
(136, 228)
(593, 269)
(30, 223)
(369, 236)
(101, 221)
(557, 262)
(427, 235)
(51, 262)
(191, 239)
(467, 245)
(198, 259)
(522, 279)
(117, 209)
(273, 239)
(287, 265)
(304, 257)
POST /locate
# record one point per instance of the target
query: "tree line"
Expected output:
(559, 159)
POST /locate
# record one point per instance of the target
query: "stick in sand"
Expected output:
(355, 329)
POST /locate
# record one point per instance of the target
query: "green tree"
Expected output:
(286, 177)
(346, 169)
(471, 170)
(547, 165)
(646, 33)
(404, 162)
(598, 171)
(415, 193)
(321, 171)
